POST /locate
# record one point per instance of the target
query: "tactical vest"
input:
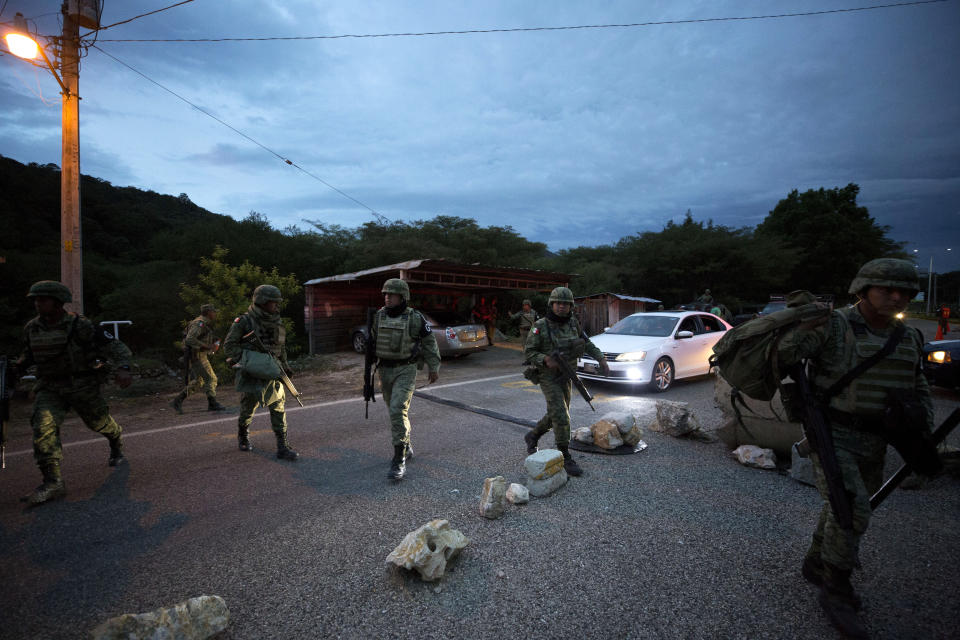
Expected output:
(567, 338)
(394, 341)
(527, 319)
(204, 331)
(273, 343)
(867, 394)
(55, 350)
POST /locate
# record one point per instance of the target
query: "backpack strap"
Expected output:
(858, 370)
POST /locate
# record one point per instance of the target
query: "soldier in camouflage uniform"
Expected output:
(706, 298)
(558, 330)
(200, 341)
(402, 338)
(851, 335)
(526, 317)
(262, 317)
(70, 355)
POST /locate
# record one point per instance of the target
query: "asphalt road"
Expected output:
(678, 541)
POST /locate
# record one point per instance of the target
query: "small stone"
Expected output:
(543, 464)
(428, 549)
(674, 419)
(624, 421)
(493, 496)
(801, 468)
(753, 456)
(583, 434)
(518, 494)
(501, 573)
(606, 435)
(196, 619)
(545, 487)
(438, 588)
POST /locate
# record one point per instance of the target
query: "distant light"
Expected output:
(22, 46)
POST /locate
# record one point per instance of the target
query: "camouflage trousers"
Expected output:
(557, 395)
(397, 385)
(51, 408)
(861, 456)
(202, 377)
(271, 397)
(524, 332)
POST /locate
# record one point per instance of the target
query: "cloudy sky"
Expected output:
(572, 137)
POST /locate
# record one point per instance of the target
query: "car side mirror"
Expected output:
(681, 335)
(605, 329)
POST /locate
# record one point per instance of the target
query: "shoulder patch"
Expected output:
(535, 330)
(200, 324)
(237, 319)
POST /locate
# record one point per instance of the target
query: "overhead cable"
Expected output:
(380, 217)
(527, 29)
(149, 13)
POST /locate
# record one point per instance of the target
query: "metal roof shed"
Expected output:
(336, 304)
(602, 310)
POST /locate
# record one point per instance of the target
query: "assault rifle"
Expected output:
(369, 357)
(938, 436)
(5, 390)
(570, 374)
(284, 378)
(187, 361)
(817, 431)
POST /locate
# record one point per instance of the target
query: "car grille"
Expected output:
(610, 356)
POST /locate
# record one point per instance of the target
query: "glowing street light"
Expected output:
(22, 46)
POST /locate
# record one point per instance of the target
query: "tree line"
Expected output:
(153, 258)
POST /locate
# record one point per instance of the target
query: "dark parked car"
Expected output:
(455, 336)
(941, 363)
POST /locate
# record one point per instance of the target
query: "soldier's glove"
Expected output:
(550, 363)
(124, 378)
(605, 368)
(433, 376)
(289, 372)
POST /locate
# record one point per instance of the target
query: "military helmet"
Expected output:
(52, 289)
(267, 293)
(886, 272)
(396, 285)
(207, 308)
(561, 294)
(527, 301)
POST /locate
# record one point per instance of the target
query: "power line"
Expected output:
(380, 217)
(525, 29)
(149, 13)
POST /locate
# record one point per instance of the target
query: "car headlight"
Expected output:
(631, 356)
(900, 315)
(939, 357)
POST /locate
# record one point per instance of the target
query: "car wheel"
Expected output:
(662, 375)
(359, 342)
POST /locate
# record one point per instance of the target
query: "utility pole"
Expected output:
(929, 283)
(71, 248)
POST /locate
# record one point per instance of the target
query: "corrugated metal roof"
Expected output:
(453, 267)
(620, 296)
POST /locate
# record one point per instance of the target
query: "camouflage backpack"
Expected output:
(746, 355)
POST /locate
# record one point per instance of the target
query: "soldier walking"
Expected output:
(856, 415)
(71, 356)
(526, 317)
(559, 331)
(198, 344)
(258, 386)
(401, 338)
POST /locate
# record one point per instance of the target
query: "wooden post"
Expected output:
(71, 249)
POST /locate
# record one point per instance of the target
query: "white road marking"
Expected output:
(232, 418)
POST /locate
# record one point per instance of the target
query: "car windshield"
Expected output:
(774, 306)
(446, 318)
(660, 326)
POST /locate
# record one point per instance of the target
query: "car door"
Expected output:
(709, 330)
(684, 351)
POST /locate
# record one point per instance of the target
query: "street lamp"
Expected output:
(23, 45)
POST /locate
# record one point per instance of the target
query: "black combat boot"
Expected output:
(213, 405)
(398, 466)
(51, 489)
(116, 452)
(284, 452)
(569, 464)
(177, 403)
(531, 438)
(243, 439)
(836, 597)
(408, 456)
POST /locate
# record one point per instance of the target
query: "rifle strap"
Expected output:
(861, 368)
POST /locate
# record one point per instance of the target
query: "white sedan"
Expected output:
(656, 348)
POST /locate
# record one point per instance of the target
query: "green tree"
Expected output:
(230, 289)
(832, 234)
